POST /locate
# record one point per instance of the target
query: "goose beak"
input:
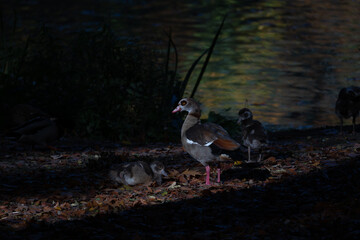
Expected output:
(177, 109)
(164, 173)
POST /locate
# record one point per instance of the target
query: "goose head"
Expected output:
(245, 114)
(189, 105)
(158, 168)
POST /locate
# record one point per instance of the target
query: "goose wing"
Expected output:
(211, 133)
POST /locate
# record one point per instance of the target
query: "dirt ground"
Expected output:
(307, 187)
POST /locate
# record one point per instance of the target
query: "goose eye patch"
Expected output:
(183, 103)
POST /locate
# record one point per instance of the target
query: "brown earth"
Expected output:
(308, 187)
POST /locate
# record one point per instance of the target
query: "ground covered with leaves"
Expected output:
(308, 187)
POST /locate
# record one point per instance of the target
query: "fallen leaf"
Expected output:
(188, 172)
(182, 179)
(291, 171)
(173, 173)
(271, 160)
(172, 186)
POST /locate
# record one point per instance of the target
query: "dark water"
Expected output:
(287, 58)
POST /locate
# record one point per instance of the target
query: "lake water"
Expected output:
(287, 58)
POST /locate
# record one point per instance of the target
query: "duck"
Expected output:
(140, 172)
(16, 115)
(348, 105)
(22, 113)
(253, 133)
(203, 140)
(29, 125)
(40, 131)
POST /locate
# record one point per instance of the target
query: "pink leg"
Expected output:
(207, 182)
(218, 172)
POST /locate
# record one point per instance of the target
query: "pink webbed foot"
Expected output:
(218, 175)
(207, 181)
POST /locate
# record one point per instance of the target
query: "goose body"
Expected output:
(200, 139)
(138, 173)
(348, 105)
(39, 131)
(253, 133)
(29, 125)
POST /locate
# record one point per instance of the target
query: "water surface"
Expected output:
(287, 58)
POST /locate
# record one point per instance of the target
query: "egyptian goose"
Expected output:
(27, 124)
(253, 133)
(200, 140)
(348, 105)
(14, 116)
(138, 173)
(39, 131)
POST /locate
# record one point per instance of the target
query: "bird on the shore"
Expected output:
(29, 125)
(139, 172)
(348, 105)
(18, 114)
(253, 133)
(200, 140)
(38, 131)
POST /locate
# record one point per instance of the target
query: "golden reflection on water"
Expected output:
(288, 58)
(289, 63)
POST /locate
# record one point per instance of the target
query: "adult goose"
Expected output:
(38, 131)
(29, 125)
(253, 133)
(348, 105)
(201, 140)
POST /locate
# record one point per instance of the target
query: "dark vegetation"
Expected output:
(94, 83)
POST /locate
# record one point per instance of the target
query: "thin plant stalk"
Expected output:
(207, 58)
(2, 34)
(188, 74)
(173, 75)
(168, 56)
(22, 60)
(176, 57)
(15, 21)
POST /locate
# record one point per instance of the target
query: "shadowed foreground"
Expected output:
(308, 188)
